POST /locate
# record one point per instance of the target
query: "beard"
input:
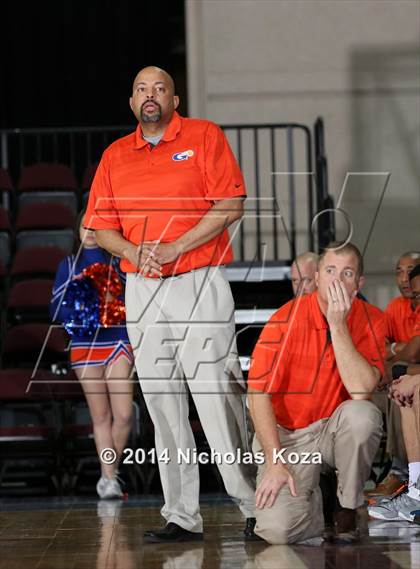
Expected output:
(155, 117)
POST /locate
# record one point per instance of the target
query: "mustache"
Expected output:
(148, 103)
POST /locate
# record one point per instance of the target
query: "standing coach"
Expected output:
(162, 200)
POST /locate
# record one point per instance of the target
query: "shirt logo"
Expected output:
(178, 156)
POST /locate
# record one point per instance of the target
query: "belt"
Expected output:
(165, 277)
(192, 271)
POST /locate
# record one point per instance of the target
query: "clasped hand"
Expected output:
(401, 390)
(149, 256)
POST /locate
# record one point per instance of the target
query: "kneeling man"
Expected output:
(313, 370)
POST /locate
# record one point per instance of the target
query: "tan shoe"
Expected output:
(391, 484)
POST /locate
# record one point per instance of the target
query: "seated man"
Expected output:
(313, 369)
(405, 392)
(302, 273)
(403, 319)
(403, 315)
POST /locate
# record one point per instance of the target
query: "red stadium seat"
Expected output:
(45, 216)
(87, 182)
(5, 181)
(67, 387)
(29, 301)
(48, 182)
(17, 384)
(6, 187)
(44, 176)
(35, 262)
(5, 237)
(45, 224)
(24, 344)
(88, 176)
(30, 445)
(3, 283)
(4, 220)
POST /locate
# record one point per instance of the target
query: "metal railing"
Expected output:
(78, 147)
(264, 142)
(276, 159)
(325, 203)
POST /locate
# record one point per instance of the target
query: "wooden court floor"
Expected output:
(89, 534)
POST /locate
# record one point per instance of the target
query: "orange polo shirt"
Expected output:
(403, 322)
(161, 193)
(294, 359)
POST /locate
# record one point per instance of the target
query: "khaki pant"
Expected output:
(395, 446)
(348, 442)
(410, 418)
(182, 332)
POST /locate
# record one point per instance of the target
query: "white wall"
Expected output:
(355, 63)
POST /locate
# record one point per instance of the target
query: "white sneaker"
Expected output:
(108, 488)
(398, 507)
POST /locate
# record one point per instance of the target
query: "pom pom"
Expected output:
(108, 284)
(82, 299)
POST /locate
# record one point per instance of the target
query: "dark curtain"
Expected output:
(72, 63)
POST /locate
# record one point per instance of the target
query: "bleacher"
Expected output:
(46, 443)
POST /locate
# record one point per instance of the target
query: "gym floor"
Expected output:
(77, 533)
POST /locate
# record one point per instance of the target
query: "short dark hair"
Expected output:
(345, 247)
(414, 273)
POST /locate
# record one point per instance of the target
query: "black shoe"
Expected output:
(172, 533)
(340, 523)
(345, 526)
(249, 532)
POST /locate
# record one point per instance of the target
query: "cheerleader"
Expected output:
(102, 360)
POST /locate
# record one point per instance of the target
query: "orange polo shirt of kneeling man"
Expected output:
(294, 359)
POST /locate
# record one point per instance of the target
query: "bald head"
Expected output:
(303, 272)
(153, 72)
(153, 101)
(405, 264)
(412, 255)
